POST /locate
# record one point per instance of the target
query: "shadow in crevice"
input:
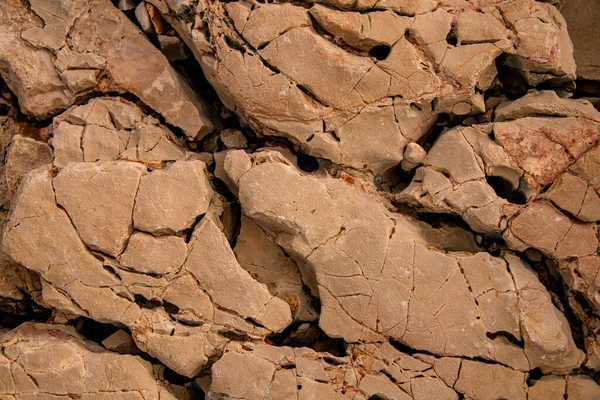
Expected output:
(308, 335)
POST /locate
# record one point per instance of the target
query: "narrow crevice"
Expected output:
(302, 334)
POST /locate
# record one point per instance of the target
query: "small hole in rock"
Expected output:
(504, 189)
(380, 52)
(307, 163)
(377, 397)
(533, 376)
(451, 38)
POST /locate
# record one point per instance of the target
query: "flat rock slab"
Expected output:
(53, 361)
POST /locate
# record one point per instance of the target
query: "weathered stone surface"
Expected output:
(581, 16)
(233, 139)
(82, 283)
(257, 371)
(170, 200)
(22, 156)
(109, 129)
(298, 248)
(56, 52)
(53, 361)
(269, 264)
(378, 277)
(74, 226)
(284, 77)
(542, 142)
(87, 191)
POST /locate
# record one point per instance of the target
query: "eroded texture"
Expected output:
(376, 371)
(393, 200)
(380, 276)
(540, 151)
(81, 229)
(53, 361)
(324, 75)
(54, 52)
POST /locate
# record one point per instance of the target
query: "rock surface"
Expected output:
(55, 52)
(299, 200)
(78, 367)
(322, 76)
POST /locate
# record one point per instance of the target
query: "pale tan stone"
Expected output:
(342, 257)
(580, 18)
(23, 155)
(154, 255)
(233, 139)
(548, 388)
(46, 26)
(120, 342)
(169, 200)
(53, 361)
(499, 381)
(213, 263)
(268, 264)
(99, 199)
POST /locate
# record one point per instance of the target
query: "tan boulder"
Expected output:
(99, 199)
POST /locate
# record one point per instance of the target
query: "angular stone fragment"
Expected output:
(120, 342)
(413, 156)
(95, 60)
(502, 382)
(53, 361)
(558, 387)
(244, 296)
(23, 155)
(363, 31)
(88, 191)
(268, 264)
(233, 139)
(109, 129)
(172, 48)
(169, 200)
(154, 255)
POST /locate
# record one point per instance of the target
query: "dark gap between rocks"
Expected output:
(15, 312)
(93, 330)
(380, 52)
(504, 189)
(514, 85)
(303, 334)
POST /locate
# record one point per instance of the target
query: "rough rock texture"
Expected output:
(380, 276)
(77, 227)
(315, 199)
(537, 142)
(54, 52)
(53, 361)
(324, 75)
(581, 15)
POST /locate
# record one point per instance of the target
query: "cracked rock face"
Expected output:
(322, 74)
(79, 367)
(299, 200)
(54, 52)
